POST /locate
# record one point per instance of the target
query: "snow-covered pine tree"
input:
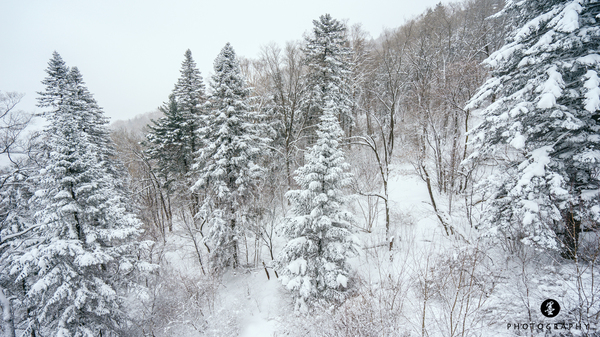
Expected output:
(328, 57)
(63, 81)
(166, 145)
(313, 263)
(542, 125)
(190, 96)
(173, 139)
(227, 166)
(77, 260)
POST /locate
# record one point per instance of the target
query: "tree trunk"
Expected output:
(428, 181)
(234, 243)
(387, 215)
(7, 314)
(572, 230)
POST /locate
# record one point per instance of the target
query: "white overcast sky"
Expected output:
(130, 52)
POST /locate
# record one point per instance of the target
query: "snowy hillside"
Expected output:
(460, 287)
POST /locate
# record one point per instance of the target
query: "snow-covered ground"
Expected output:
(432, 285)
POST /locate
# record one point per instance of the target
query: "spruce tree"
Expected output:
(542, 125)
(313, 263)
(190, 97)
(173, 139)
(226, 167)
(328, 57)
(76, 261)
(166, 144)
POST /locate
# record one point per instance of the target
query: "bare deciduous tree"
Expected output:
(146, 186)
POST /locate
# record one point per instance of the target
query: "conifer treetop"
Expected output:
(228, 83)
(328, 58)
(189, 89)
(55, 82)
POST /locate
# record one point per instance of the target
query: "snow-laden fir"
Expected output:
(79, 253)
(313, 263)
(227, 167)
(542, 124)
(173, 140)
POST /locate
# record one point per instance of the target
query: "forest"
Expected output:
(441, 179)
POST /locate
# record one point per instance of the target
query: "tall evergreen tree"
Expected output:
(314, 262)
(173, 139)
(65, 84)
(542, 125)
(328, 56)
(74, 264)
(190, 97)
(227, 168)
(166, 144)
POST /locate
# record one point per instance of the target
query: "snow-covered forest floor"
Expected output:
(430, 285)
